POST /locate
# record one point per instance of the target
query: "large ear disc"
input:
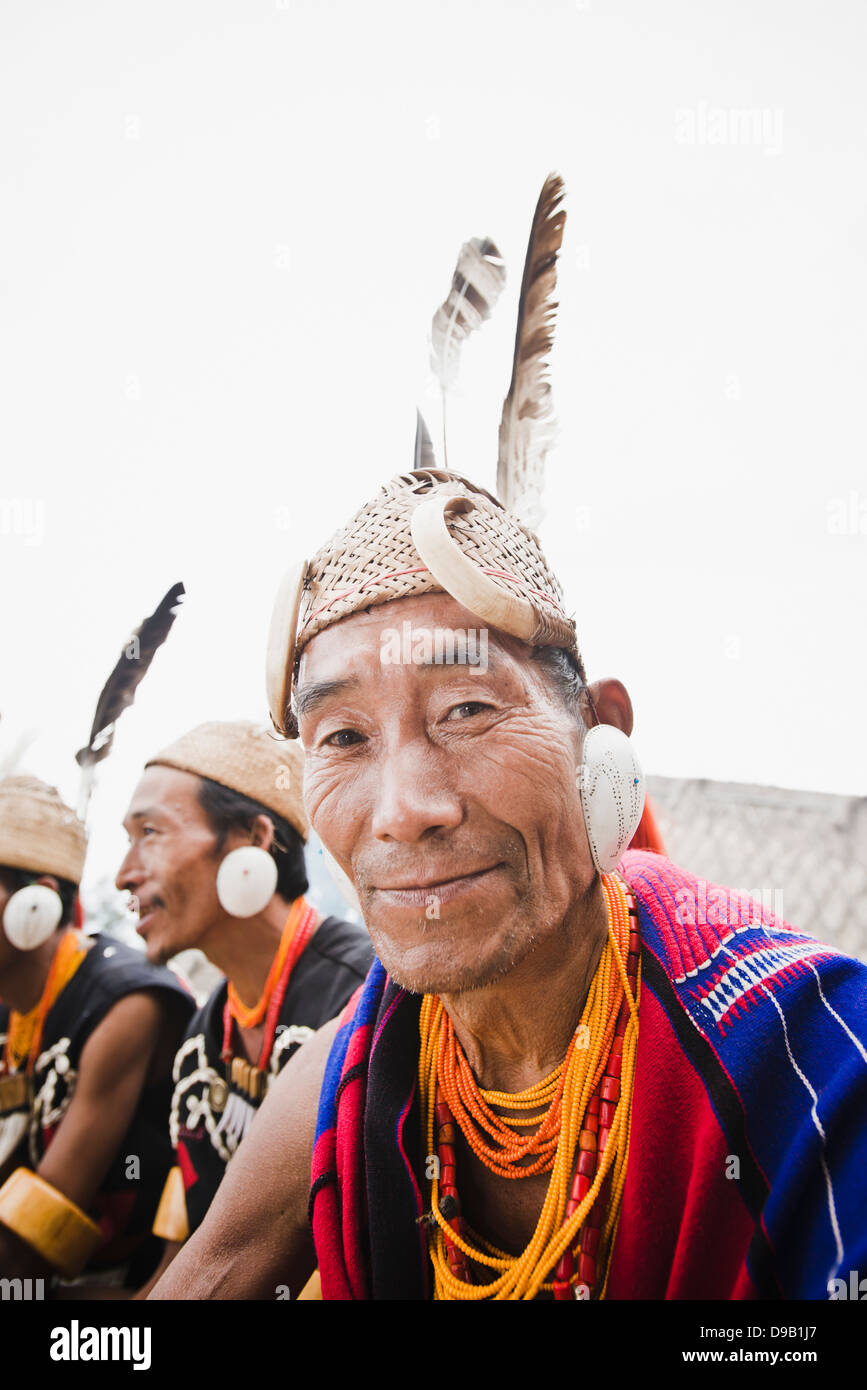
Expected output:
(31, 915)
(246, 881)
(280, 659)
(612, 794)
(460, 576)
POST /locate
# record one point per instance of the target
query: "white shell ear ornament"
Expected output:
(612, 794)
(246, 881)
(31, 916)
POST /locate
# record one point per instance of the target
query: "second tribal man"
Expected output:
(216, 861)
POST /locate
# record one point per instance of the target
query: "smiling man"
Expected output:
(575, 1071)
(216, 861)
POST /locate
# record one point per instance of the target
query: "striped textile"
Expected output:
(749, 1121)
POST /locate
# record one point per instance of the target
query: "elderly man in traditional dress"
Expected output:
(575, 1070)
(216, 861)
(88, 1031)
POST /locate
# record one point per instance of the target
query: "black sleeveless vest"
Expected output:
(126, 1203)
(207, 1104)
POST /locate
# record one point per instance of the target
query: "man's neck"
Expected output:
(244, 949)
(516, 1030)
(24, 977)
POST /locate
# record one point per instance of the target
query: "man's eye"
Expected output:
(473, 706)
(343, 738)
(148, 830)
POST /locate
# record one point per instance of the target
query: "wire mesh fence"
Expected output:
(803, 854)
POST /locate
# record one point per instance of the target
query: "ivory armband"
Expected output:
(48, 1222)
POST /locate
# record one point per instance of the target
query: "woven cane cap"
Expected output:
(373, 559)
(38, 831)
(246, 758)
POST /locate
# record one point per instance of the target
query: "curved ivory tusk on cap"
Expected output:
(280, 657)
(458, 574)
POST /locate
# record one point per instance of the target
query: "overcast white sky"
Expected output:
(225, 228)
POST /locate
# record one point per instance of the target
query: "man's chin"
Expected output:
(438, 972)
(158, 951)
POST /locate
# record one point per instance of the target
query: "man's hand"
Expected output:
(255, 1239)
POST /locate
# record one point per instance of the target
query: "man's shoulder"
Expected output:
(114, 968)
(112, 958)
(727, 957)
(110, 971)
(774, 1025)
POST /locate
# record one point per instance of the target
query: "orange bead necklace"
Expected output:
(251, 1017)
(507, 1153)
(25, 1030)
(583, 1136)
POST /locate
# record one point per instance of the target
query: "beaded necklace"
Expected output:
(296, 934)
(24, 1035)
(582, 1139)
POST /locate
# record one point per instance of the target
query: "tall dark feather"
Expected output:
(527, 425)
(132, 666)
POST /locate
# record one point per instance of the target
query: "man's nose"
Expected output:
(414, 796)
(130, 874)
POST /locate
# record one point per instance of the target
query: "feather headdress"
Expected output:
(477, 284)
(527, 425)
(119, 690)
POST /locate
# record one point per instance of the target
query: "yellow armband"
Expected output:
(170, 1221)
(48, 1222)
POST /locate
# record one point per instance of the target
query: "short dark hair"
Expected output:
(13, 879)
(229, 810)
(567, 676)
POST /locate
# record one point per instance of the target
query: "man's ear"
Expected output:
(612, 703)
(262, 832)
(48, 881)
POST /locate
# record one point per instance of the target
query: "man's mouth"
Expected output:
(145, 910)
(433, 888)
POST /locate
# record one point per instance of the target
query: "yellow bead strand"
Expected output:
(523, 1276)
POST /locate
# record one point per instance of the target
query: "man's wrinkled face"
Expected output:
(447, 793)
(171, 865)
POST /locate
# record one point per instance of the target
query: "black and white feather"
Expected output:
(477, 284)
(528, 427)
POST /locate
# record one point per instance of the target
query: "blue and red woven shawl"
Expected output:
(749, 1123)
